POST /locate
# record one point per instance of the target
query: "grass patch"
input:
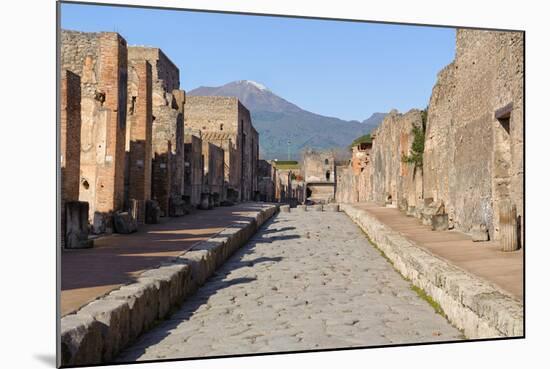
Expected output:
(419, 291)
(424, 296)
(287, 166)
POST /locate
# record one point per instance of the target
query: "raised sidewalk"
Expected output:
(479, 288)
(118, 259)
(127, 282)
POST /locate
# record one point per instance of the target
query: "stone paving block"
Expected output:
(472, 304)
(102, 328)
(285, 208)
(114, 316)
(142, 300)
(250, 305)
(173, 277)
(162, 287)
(81, 340)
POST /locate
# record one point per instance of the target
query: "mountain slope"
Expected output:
(278, 121)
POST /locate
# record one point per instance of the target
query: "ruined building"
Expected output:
(100, 59)
(473, 158)
(226, 123)
(167, 131)
(472, 164)
(353, 179)
(319, 171)
(393, 180)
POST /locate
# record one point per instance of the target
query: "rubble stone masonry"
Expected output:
(473, 155)
(393, 180)
(100, 59)
(168, 130)
(353, 180)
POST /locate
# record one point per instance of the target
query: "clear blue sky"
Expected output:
(342, 69)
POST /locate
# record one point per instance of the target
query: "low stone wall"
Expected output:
(101, 329)
(473, 305)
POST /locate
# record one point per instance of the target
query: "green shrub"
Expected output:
(417, 149)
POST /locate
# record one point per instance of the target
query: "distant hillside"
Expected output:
(374, 120)
(279, 121)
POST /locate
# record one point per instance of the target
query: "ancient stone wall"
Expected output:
(164, 71)
(70, 122)
(353, 180)
(168, 128)
(319, 175)
(283, 185)
(318, 166)
(100, 59)
(213, 157)
(393, 180)
(255, 152)
(194, 168)
(266, 180)
(249, 154)
(346, 185)
(139, 129)
(226, 123)
(473, 156)
(360, 157)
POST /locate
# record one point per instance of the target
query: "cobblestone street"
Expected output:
(304, 281)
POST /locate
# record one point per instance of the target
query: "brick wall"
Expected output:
(226, 123)
(100, 59)
(168, 128)
(70, 125)
(139, 130)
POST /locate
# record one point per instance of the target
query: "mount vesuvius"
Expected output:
(279, 121)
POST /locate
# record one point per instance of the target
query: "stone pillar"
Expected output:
(508, 226)
(137, 210)
(70, 125)
(440, 222)
(205, 201)
(77, 225)
(152, 212)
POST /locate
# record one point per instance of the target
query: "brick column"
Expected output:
(140, 120)
(112, 83)
(70, 142)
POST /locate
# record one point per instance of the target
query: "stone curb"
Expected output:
(97, 332)
(472, 304)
